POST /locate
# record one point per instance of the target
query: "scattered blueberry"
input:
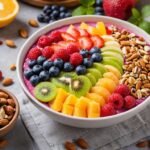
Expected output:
(98, 2)
(87, 62)
(96, 57)
(40, 60)
(94, 50)
(80, 70)
(37, 69)
(41, 18)
(34, 80)
(54, 71)
(31, 63)
(54, 7)
(44, 75)
(99, 9)
(46, 7)
(58, 63)
(62, 9)
(68, 67)
(28, 73)
(47, 65)
(84, 53)
(68, 14)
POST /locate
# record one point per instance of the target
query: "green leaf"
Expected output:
(145, 26)
(90, 11)
(81, 10)
(146, 11)
(135, 13)
(87, 3)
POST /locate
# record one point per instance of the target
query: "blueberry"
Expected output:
(62, 9)
(46, 19)
(99, 9)
(52, 20)
(37, 69)
(44, 75)
(28, 73)
(48, 12)
(34, 80)
(62, 15)
(96, 57)
(40, 18)
(98, 2)
(99, 13)
(54, 7)
(47, 65)
(54, 71)
(87, 62)
(32, 63)
(68, 67)
(68, 14)
(54, 14)
(94, 50)
(46, 7)
(58, 63)
(40, 60)
(84, 53)
(80, 70)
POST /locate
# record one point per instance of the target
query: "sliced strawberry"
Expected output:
(73, 31)
(56, 47)
(83, 32)
(67, 37)
(109, 31)
(85, 43)
(67, 43)
(97, 41)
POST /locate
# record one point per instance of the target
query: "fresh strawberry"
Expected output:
(62, 54)
(97, 41)
(73, 31)
(72, 48)
(47, 52)
(85, 43)
(130, 102)
(55, 36)
(84, 32)
(108, 30)
(44, 41)
(1, 75)
(123, 90)
(76, 59)
(34, 53)
(56, 47)
(118, 8)
(67, 37)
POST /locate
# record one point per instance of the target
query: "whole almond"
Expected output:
(33, 23)
(82, 143)
(1, 42)
(23, 33)
(10, 43)
(3, 143)
(9, 110)
(7, 82)
(69, 146)
(3, 122)
(11, 102)
(142, 144)
(13, 67)
(3, 95)
(3, 101)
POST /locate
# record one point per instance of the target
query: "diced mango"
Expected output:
(83, 25)
(93, 30)
(101, 28)
(78, 112)
(67, 109)
(71, 100)
(93, 110)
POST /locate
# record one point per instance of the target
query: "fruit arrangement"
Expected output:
(79, 70)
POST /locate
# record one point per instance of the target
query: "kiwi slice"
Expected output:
(79, 86)
(95, 73)
(100, 67)
(91, 78)
(45, 91)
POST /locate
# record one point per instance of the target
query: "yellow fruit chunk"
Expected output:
(71, 100)
(8, 11)
(83, 25)
(108, 38)
(59, 100)
(112, 43)
(97, 98)
(108, 84)
(68, 110)
(111, 76)
(101, 28)
(93, 110)
(93, 31)
(101, 91)
(113, 70)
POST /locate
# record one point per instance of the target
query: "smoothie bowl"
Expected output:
(87, 71)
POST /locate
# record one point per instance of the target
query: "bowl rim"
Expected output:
(34, 100)
(16, 112)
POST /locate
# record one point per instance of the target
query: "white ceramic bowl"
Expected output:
(76, 121)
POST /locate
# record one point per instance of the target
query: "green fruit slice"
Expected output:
(91, 78)
(100, 67)
(95, 73)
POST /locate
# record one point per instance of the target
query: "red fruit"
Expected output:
(61, 54)
(108, 110)
(118, 8)
(109, 31)
(1, 75)
(97, 41)
(73, 31)
(72, 48)
(64, 44)
(55, 36)
(130, 102)
(47, 52)
(44, 41)
(85, 43)
(76, 59)
(84, 32)
(53, 57)
(56, 47)
(67, 37)
(117, 100)
(123, 90)
(34, 53)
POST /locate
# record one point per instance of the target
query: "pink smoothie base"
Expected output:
(62, 29)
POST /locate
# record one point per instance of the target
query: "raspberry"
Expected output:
(44, 41)
(47, 52)
(117, 100)
(34, 53)
(62, 54)
(123, 90)
(55, 36)
(108, 110)
(76, 59)
(130, 102)
(1, 75)
(72, 48)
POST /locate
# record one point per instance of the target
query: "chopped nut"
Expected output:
(11, 102)
(70, 146)
(139, 94)
(147, 48)
(23, 33)
(10, 43)
(7, 82)
(3, 95)
(33, 23)
(3, 122)
(133, 56)
(146, 85)
(138, 85)
(9, 110)
(131, 80)
(13, 67)
(82, 143)
(124, 43)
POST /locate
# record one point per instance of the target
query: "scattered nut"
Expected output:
(23, 33)
(3, 95)
(70, 146)
(33, 23)
(13, 67)
(10, 43)
(7, 82)
(9, 110)
(11, 102)
(82, 143)
(3, 122)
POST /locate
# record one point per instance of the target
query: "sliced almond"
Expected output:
(10, 43)
(7, 82)
(138, 85)
(33, 23)
(23, 33)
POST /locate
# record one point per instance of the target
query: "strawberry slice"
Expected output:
(56, 47)
(83, 32)
(73, 31)
(67, 37)
(109, 31)
(97, 41)
(65, 44)
(85, 43)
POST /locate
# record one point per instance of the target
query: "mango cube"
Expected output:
(83, 25)
(100, 26)
(71, 100)
(67, 109)
(93, 110)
